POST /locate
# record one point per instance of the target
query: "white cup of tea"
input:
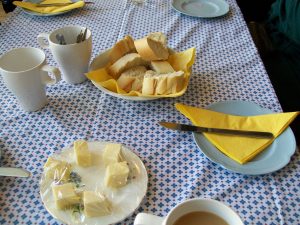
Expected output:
(190, 212)
(25, 73)
(71, 51)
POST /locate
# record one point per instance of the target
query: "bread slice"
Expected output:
(137, 84)
(122, 48)
(161, 84)
(127, 78)
(161, 67)
(149, 83)
(175, 82)
(126, 62)
(152, 47)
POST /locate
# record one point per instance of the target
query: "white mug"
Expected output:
(25, 73)
(192, 205)
(73, 58)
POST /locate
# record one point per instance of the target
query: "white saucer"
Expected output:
(201, 8)
(125, 200)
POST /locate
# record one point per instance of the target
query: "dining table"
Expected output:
(227, 67)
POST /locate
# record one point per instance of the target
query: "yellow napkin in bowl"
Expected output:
(239, 148)
(179, 61)
(49, 9)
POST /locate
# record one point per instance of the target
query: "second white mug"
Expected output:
(73, 56)
(217, 208)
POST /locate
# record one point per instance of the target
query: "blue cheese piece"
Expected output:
(116, 174)
(57, 170)
(112, 153)
(95, 204)
(65, 195)
(82, 153)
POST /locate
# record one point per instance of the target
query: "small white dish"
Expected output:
(101, 61)
(201, 8)
(273, 158)
(125, 200)
(32, 13)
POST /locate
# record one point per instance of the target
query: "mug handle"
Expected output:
(148, 219)
(42, 39)
(46, 79)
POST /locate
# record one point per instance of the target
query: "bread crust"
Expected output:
(126, 62)
(121, 48)
(151, 50)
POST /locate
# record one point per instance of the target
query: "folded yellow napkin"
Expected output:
(179, 61)
(239, 148)
(49, 9)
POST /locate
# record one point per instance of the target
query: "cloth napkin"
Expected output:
(239, 148)
(49, 9)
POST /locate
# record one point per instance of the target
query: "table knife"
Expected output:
(58, 4)
(14, 172)
(196, 129)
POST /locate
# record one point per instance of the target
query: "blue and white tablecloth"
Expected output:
(227, 67)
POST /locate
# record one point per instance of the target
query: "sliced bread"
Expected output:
(175, 82)
(149, 83)
(122, 48)
(128, 77)
(161, 84)
(161, 67)
(152, 47)
(126, 62)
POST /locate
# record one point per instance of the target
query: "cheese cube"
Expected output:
(95, 204)
(116, 174)
(64, 195)
(112, 153)
(57, 170)
(82, 153)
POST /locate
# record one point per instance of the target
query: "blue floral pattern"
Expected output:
(227, 67)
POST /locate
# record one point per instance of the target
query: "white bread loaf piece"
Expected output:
(161, 67)
(126, 62)
(159, 37)
(122, 48)
(137, 84)
(175, 82)
(127, 78)
(149, 83)
(161, 84)
(152, 47)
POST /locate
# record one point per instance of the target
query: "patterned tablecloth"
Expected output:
(227, 67)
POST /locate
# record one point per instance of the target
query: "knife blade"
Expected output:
(58, 4)
(197, 129)
(14, 172)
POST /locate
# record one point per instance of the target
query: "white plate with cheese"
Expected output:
(123, 200)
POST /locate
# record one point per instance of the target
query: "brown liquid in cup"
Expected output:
(200, 218)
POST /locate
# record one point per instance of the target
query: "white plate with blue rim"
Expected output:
(273, 158)
(201, 8)
(32, 13)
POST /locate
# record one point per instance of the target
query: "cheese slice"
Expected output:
(57, 170)
(116, 174)
(82, 153)
(112, 153)
(95, 204)
(65, 196)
